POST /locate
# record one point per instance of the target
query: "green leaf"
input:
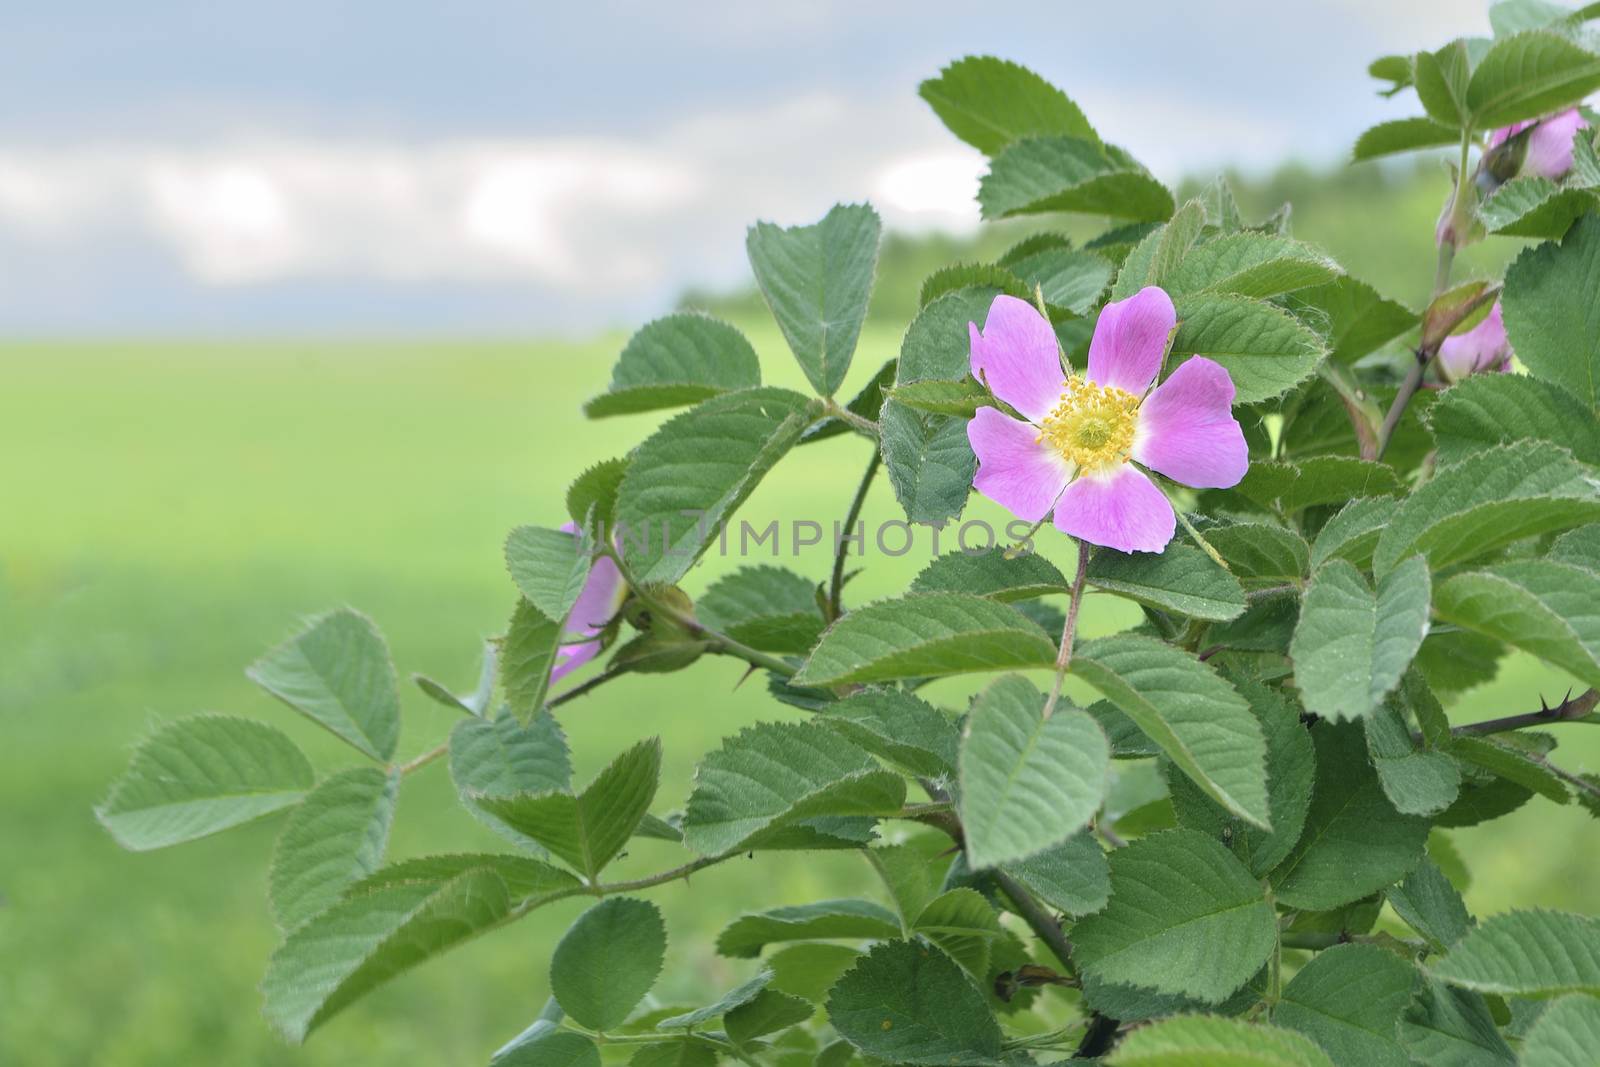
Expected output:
(525, 878)
(1353, 531)
(914, 871)
(960, 276)
(1565, 1034)
(1487, 501)
(1550, 319)
(1347, 1000)
(1441, 82)
(964, 924)
(527, 654)
(765, 607)
(333, 838)
(992, 573)
(1198, 720)
(743, 993)
(1580, 547)
(680, 359)
(1355, 842)
(503, 758)
(1291, 767)
(694, 471)
(475, 703)
(1214, 1041)
(929, 461)
(1403, 135)
(1027, 782)
(592, 496)
(1528, 75)
(1527, 953)
(1508, 760)
(1353, 644)
(937, 344)
(1185, 917)
(1488, 410)
(1180, 579)
(809, 970)
(854, 920)
(910, 1003)
(589, 829)
(767, 1013)
(607, 961)
(1044, 174)
(1260, 555)
(925, 635)
(1452, 1028)
(1069, 278)
(544, 1044)
(1430, 905)
(1315, 481)
(549, 567)
(1073, 877)
(200, 775)
(773, 774)
(817, 280)
(1417, 781)
(1540, 606)
(342, 954)
(867, 404)
(1352, 316)
(1534, 206)
(896, 726)
(1250, 264)
(939, 397)
(337, 672)
(1265, 350)
(989, 103)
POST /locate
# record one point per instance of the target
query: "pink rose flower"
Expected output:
(1548, 148)
(1077, 451)
(1484, 348)
(597, 602)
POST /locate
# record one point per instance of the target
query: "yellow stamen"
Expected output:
(1092, 425)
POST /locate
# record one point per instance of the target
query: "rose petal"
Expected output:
(1130, 340)
(1018, 356)
(1015, 470)
(597, 602)
(1119, 508)
(1550, 144)
(1485, 347)
(570, 657)
(1187, 430)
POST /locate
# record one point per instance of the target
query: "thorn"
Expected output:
(748, 671)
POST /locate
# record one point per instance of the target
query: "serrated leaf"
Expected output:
(913, 871)
(959, 276)
(1488, 410)
(743, 993)
(992, 573)
(1403, 135)
(680, 359)
(1541, 606)
(1353, 644)
(1347, 1000)
(925, 635)
(692, 473)
(963, 924)
(1184, 917)
(1315, 481)
(746, 936)
(1291, 769)
(773, 774)
(1580, 548)
(1053, 173)
(1430, 905)
(1417, 781)
(1069, 278)
(809, 970)
(1485, 502)
(525, 877)
(544, 1044)
(989, 103)
(684, 1052)
(816, 280)
(1180, 579)
(1198, 720)
(589, 829)
(1355, 842)
(337, 672)
(1265, 350)
(765, 607)
(1027, 782)
(766, 1013)
(937, 344)
(1551, 320)
(527, 654)
(200, 775)
(340, 955)
(336, 836)
(1528, 75)
(896, 726)
(607, 961)
(1506, 759)
(929, 461)
(1352, 533)
(1353, 317)
(502, 758)
(1534, 206)
(475, 703)
(1527, 953)
(592, 496)
(1452, 1028)
(939, 397)
(1260, 554)
(1250, 264)
(1565, 1034)
(549, 567)
(1441, 79)
(1073, 877)
(1214, 1041)
(910, 1003)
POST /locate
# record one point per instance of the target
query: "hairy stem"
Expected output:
(836, 585)
(1040, 921)
(859, 423)
(1068, 630)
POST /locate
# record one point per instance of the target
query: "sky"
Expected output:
(494, 168)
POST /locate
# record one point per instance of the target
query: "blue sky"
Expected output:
(476, 167)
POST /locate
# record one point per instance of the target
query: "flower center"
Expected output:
(1092, 425)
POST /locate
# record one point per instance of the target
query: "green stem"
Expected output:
(859, 423)
(1568, 710)
(1038, 919)
(1068, 630)
(836, 585)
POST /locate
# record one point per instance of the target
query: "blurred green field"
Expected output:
(171, 510)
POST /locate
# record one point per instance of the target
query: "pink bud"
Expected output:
(1484, 348)
(1547, 145)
